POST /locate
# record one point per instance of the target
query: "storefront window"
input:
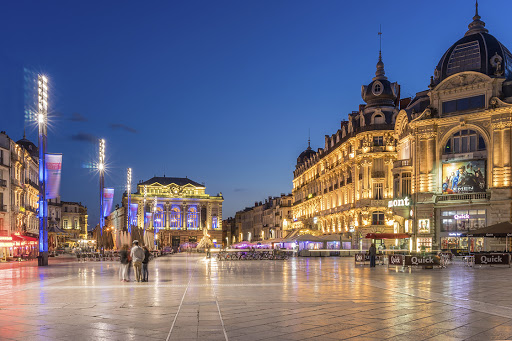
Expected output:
(461, 243)
(424, 244)
(463, 220)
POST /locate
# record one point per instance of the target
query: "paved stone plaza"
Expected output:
(191, 298)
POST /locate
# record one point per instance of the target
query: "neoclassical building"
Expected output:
(178, 208)
(433, 166)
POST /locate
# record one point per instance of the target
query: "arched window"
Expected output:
(159, 217)
(175, 217)
(192, 218)
(464, 141)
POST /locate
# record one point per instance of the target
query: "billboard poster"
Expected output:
(108, 199)
(464, 177)
(133, 214)
(53, 173)
(424, 226)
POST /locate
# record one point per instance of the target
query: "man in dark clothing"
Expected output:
(145, 272)
(373, 252)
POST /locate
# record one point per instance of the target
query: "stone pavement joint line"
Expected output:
(181, 304)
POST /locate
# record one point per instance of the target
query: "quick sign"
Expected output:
(422, 260)
(362, 257)
(461, 216)
(495, 258)
(396, 259)
(399, 202)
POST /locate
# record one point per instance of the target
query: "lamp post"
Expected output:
(128, 196)
(42, 120)
(155, 229)
(101, 168)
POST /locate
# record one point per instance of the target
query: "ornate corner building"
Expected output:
(178, 208)
(433, 166)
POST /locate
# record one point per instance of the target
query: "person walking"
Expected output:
(145, 272)
(373, 252)
(137, 255)
(125, 263)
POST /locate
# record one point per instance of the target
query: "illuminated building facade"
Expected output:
(178, 208)
(433, 166)
(266, 220)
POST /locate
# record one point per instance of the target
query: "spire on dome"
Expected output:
(380, 73)
(477, 25)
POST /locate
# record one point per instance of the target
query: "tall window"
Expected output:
(192, 218)
(175, 218)
(406, 184)
(65, 224)
(214, 222)
(378, 190)
(378, 218)
(159, 217)
(464, 141)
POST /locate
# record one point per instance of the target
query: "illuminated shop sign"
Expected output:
(461, 216)
(454, 234)
(464, 177)
(399, 202)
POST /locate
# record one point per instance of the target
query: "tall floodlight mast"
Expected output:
(129, 197)
(155, 229)
(42, 121)
(144, 209)
(101, 168)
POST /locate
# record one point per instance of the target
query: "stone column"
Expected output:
(208, 216)
(184, 212)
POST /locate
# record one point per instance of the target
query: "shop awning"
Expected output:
(336, 237)
(503, 229)
(307, 238)
(387, 235)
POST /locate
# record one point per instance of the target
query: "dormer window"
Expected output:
(377, 88)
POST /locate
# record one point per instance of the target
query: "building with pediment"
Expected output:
(178, 209)
(431, 167)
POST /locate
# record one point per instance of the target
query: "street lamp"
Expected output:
(101, 168)
(128, 192)
(42, 120)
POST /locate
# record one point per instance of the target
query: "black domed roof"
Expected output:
(477, 51)
(305, 155)
(380, 92)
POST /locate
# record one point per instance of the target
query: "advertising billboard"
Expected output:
(464, 177)
(108, 199)
(133, 214)
(424, 226)
(53, 173)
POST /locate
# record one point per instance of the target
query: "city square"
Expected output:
(190, 297)
(256, 170)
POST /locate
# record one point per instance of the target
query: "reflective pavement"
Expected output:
(191, 298)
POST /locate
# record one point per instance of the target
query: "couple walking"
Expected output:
(139, 257)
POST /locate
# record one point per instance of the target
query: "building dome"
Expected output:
(380, 92)
(477, 51)
(305, 154)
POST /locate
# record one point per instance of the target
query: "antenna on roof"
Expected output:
(309, 138)
(164, 171)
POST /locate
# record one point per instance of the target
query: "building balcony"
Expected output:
(463, 197)
(32, 183)
(402, 163)
(3, 183)
(3, 208)
(16, 182)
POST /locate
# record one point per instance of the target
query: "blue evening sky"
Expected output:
(223, 92)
